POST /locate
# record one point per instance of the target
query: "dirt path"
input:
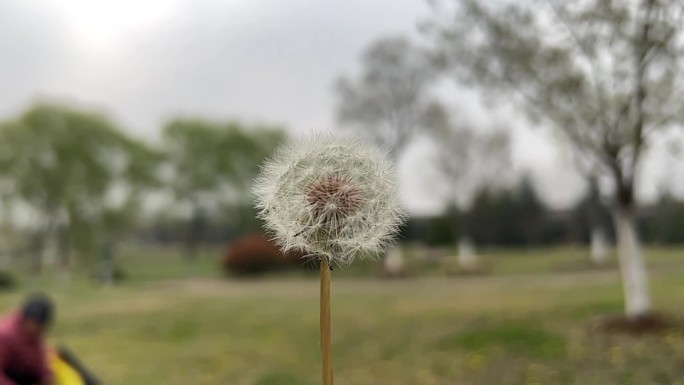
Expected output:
(277, 286)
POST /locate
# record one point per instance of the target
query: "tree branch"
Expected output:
(641, 52)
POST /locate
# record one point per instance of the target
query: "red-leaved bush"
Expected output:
(255, 254)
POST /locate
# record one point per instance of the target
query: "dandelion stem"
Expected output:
(326, 344)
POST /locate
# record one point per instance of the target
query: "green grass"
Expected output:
(529, 322)
(528, 339)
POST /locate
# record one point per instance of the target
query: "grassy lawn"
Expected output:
(529, 322)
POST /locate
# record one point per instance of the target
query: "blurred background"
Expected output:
(538, 145)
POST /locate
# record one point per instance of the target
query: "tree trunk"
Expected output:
(37, 250)
(467, 257)
(394, 261)
(195, 234)
(599, 246)
(50, 251)
(64, 249)
(632, 267)
(105, 268)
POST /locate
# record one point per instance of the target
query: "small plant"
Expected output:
(334, 199)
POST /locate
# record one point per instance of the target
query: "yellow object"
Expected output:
(63, 373)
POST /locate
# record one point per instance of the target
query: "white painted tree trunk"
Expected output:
(50, 254)
(394, 261)
(105, 272)
(467, 258)
(5, 261)
(632, 267)
(50, 245)
(599, 246)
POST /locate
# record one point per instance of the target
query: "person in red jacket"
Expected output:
(23, 355)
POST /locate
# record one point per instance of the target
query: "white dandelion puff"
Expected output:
(332, 197)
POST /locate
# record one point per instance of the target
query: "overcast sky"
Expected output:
(144, 61)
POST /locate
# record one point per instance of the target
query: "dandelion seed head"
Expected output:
(332, 197)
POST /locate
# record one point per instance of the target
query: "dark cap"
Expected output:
(38, 308)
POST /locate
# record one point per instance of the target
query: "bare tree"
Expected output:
(604, 74)
(593, 205)
(387, 100)
(468, 158)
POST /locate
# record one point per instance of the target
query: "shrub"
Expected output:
(7, 281)
(102, 274)
(255, 254)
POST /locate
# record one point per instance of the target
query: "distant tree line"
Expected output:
(73, 184)
(514, 217)
(517, 217)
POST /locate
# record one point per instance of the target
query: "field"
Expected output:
(528, 322)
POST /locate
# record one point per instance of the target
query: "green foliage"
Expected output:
(212, 159)
(515, 217)
(666, 221)
(507, 217)
(519, 218)
(438, 230)
(212, 166)
(8, 282)
(76, 171)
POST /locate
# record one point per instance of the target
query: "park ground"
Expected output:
(531, 320)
